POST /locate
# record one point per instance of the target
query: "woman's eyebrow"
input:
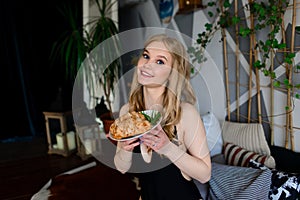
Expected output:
(164, 57)
(160, 56)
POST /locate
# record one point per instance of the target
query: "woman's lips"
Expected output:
(144, 73)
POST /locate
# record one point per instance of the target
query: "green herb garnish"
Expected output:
(153, 118)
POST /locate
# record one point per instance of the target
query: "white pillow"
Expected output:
(213, 133)
(249, 136)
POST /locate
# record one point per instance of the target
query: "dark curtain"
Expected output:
(29, 84)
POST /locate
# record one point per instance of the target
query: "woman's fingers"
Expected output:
(155, 139)
(129, 144)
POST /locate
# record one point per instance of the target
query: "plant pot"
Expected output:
(107, 119)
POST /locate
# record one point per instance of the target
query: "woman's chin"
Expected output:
(150, 84)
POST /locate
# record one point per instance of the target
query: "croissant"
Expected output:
(129, 124)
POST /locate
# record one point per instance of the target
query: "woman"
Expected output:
(162, 78)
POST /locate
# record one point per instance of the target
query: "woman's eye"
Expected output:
(160, 62)
(145, 56)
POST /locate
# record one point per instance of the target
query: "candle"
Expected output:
(70, 138)
(88, 146)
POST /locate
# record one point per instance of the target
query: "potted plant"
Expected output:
(76, 45)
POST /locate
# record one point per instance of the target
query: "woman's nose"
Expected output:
(147, 64)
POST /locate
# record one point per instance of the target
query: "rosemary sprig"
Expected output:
(153, 118)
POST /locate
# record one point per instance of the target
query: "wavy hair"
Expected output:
(178, 88)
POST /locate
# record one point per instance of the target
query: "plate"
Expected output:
(155, 118)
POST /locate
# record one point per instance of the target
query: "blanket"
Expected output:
(232, 182)
(96, 181)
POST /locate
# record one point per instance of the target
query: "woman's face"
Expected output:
(154, 66)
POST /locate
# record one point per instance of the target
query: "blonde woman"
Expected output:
(162, 77)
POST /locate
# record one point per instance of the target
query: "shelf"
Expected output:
(188, 6)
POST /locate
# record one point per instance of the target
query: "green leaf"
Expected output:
(287, 108)
(273, 75)
(153, 119)
(148, 118)
(191, 50)
(277, 84)
(286, 82)
(257, 64)
(235, 20)
(269, 42)
(291, 55)
(208, 26)
(192, 70)
(244, 31)
(266, 72)
(288, 60)
(211, 4)
(297, 96)
(281, 46)
(226, 4)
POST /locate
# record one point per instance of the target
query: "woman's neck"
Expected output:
(153, 96)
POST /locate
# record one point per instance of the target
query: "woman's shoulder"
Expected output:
(187, 107)
(188, 112)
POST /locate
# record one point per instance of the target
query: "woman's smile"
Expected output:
(146, 74)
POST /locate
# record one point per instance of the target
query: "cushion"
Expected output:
(246, 135)
(238, 156)
(213, 133)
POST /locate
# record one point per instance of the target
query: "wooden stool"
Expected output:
(61, 116)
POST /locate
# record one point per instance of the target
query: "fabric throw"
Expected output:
(284, 185)
(233, 182)
(238, 156)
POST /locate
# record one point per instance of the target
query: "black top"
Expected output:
(166, 183)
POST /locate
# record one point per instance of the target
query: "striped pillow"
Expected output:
(238, 156)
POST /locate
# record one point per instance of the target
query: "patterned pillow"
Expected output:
(238, 156)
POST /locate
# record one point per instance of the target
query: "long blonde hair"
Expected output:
(178, 88)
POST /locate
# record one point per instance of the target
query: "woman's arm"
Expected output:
(123, 156)
(196, 163)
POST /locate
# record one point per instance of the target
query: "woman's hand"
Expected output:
(156, 139)
(129, 145)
